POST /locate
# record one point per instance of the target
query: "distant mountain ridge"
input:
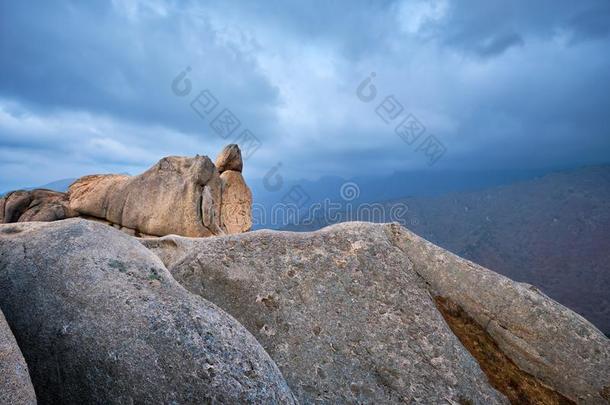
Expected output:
(552, 232)
(58, 185)
(377, 187)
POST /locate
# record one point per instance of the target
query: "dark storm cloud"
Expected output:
(85, 87)
(501, 24)
(91, 57)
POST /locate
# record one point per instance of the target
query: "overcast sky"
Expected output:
(86, 87)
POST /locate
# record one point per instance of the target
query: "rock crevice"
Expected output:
(504, 375)
(544, 339)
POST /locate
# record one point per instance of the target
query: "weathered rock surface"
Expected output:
(178, 195)
(236, 210)
(341, 312)
(230, 159)
(15, 385)
(354, 312)
(99, 319)
(34, 205)
(554, 344)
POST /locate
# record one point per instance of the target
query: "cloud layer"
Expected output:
(87, 87)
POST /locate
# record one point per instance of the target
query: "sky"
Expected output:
(113, 86)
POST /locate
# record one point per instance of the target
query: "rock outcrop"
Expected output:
(340, 311)
(361, 312)
(15, 385)
(178, 195)
(34, 205)
(230, 159)
(99, 319)
(543, 338)
(236, 211)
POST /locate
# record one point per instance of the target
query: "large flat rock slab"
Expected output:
(341, 312)
(371, 312)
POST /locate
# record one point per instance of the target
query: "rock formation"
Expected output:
(236, 208)
(372, 313)
(34, 205)
(543, 338)
(99, 319)
(353, 313)
(178, 195)
(230, 159)
(15, 384)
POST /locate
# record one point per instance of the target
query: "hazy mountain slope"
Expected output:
(553, 232)
(378, 187)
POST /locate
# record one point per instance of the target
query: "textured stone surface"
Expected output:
(236, 210)
(348, 311)
(551, 231)
(34, 205)
(230, 159)
(178, 195)
(544, 338)
(341, 312)
(99, 319)
(15, 385)
(519, 386)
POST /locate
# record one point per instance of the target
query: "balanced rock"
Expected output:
(34, 205)
(15, 385)
(236, 209)
(370, 313)
(178, 195)
(229, 159)
(99, 319)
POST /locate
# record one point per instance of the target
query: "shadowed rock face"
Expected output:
(230, 159)
(349, 313)
(15, 384)
(99, 319)
(34, 205)
(519, 386)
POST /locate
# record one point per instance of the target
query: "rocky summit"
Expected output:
(178, 195)
(354, 313)
(370, 313)
(198, 310)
